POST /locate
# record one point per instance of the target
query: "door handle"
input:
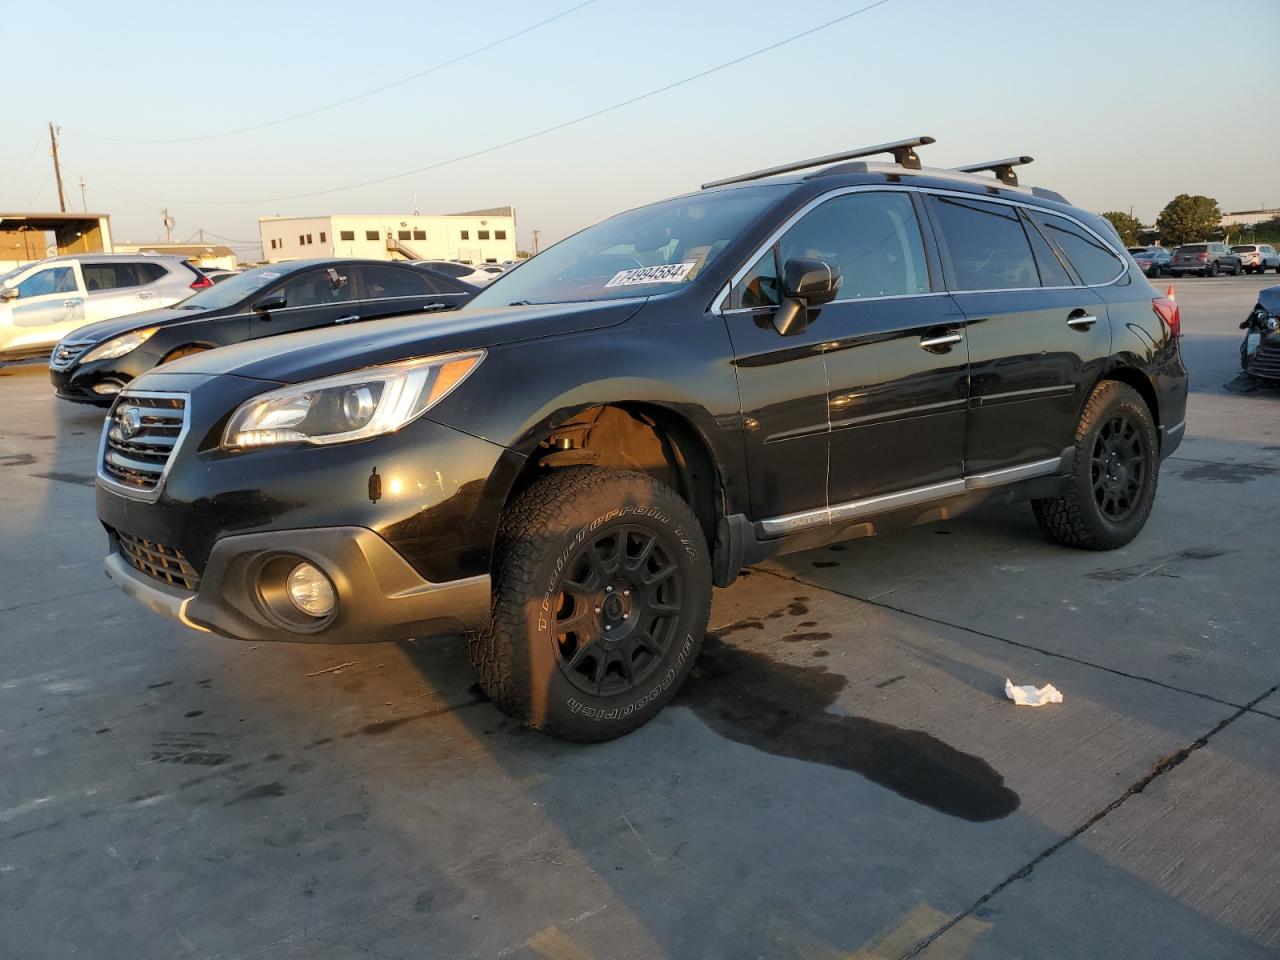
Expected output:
(71, 303)
(942, 340)
(354, 316)
(1079, 320)
(146, 294)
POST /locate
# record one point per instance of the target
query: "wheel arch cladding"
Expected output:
(648, 438)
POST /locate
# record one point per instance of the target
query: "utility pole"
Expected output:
(57, 168)
(535, 243)
(168, 226)
(84, 204)
(202, 234)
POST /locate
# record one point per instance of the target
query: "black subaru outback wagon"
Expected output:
(564, 468)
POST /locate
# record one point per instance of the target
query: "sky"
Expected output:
(1123, 104)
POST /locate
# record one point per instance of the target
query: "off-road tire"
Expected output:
(545, 536)
(1077, 519)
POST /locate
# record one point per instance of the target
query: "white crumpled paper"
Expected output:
(1030, 696)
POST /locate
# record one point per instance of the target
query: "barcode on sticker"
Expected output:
(665, 273)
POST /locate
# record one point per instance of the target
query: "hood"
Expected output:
(327, 351)
(1269, 299)
(104, 330)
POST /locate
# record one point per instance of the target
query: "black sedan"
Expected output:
(1152, 261)
(94, 362)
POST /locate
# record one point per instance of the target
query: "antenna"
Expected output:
(904, 154)
(1003, 169)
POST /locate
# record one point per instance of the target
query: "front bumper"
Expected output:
(379, 596)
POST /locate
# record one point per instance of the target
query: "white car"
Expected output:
(1258, 257)
(476, 276)
(43, 301)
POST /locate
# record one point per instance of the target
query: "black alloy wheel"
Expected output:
(617, 611)
(1119, 468)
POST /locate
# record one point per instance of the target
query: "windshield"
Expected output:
(232, 290)
(1193, 248)
(654, 249)
(1247, 248)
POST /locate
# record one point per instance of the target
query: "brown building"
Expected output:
(25, 237)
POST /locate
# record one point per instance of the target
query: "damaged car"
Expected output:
(1260, 351)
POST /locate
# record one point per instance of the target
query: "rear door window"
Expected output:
(150, 272)
(382, 282)
(1053, 273)
(110, 276)
(1093, 260)
(986, 244)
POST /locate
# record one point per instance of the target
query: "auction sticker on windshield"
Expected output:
(664, 273)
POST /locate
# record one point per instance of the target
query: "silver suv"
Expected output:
(41, 302)
(1258, 257)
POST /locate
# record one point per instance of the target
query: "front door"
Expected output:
(870, 396)
(50, 303)
(313, 298)
(895, 347)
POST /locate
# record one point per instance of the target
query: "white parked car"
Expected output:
(43, 301)
(1258, 257)
(476, 276)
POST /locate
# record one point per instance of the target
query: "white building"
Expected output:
(478, 236)
(1239, 218)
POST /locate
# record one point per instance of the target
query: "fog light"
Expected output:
(310, 590)
(106, 389)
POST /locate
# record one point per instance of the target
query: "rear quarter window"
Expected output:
(1093, 259)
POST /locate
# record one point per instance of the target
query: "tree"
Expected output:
(1128, 227)
(1186, 219)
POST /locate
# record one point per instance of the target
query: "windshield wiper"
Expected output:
(521, 303)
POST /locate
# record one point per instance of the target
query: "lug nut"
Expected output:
(626, 616)
(626, 593)
(597, 609)
(608, 589)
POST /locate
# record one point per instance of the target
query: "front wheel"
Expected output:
(601, 593)
(1113, 476)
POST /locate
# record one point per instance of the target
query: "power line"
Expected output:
(22, 169)
(358, 96)
(552, 129)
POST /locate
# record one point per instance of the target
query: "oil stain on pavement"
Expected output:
(781, 709)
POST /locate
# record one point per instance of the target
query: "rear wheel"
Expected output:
(1113, 476)
(601, 593)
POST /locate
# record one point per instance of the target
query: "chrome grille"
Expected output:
(68, 352)
(158, 561)
(139, 439)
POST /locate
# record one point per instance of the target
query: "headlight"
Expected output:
(353, 406)
(119, 346)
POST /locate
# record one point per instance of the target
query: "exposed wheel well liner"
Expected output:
(643, 437)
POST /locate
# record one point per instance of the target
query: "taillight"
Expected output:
(201, 283)
(1202, 256)
(1166, 309)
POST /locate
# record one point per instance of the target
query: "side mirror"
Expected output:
(8, 293)
(806, 284)
(267, 304)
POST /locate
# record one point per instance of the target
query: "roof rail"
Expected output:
(1003, 169)
(903, 151)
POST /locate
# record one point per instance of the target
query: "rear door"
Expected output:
(318, 297)
(1037, 338)
(390, 290)
(118, 287)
